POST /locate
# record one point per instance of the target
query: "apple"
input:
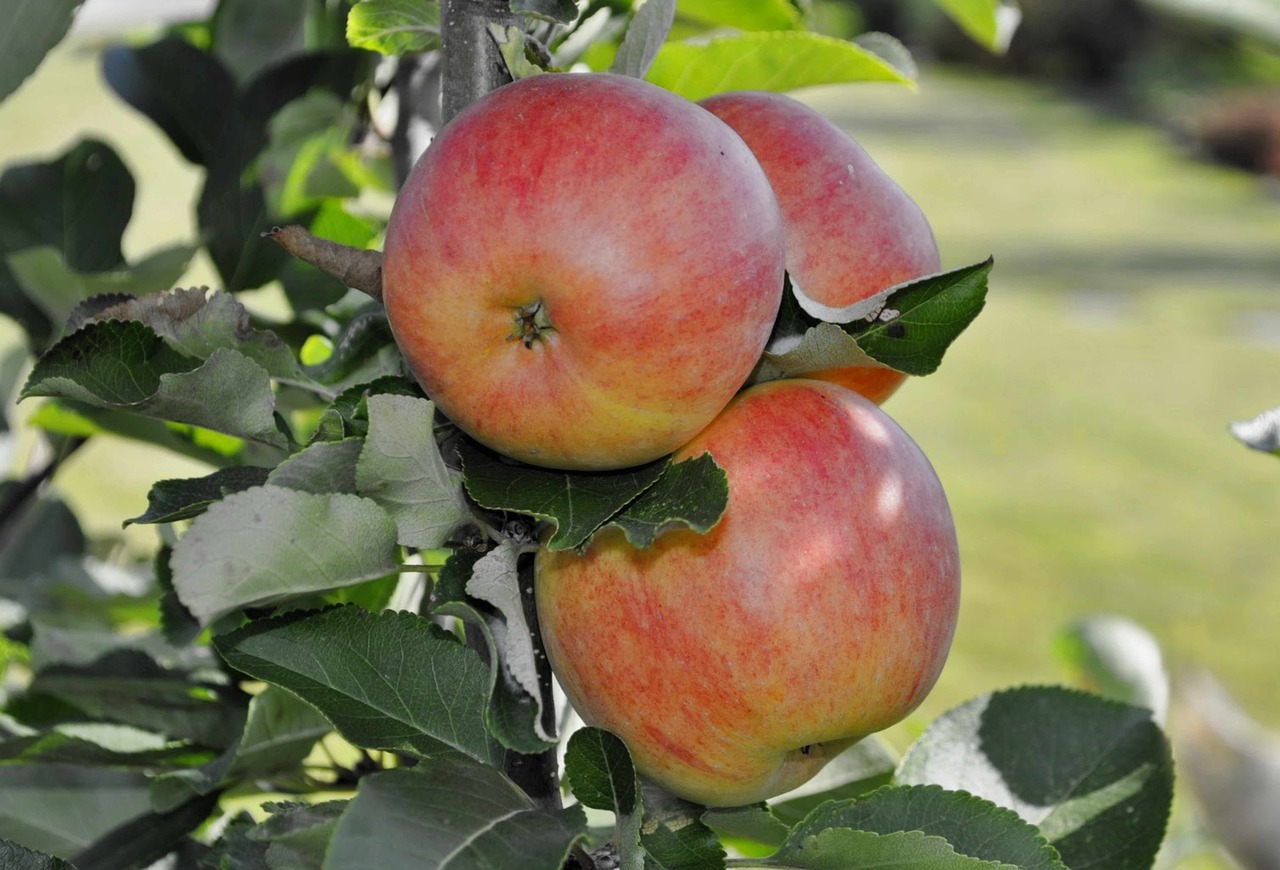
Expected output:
(582, 269)
(819, 609)
(851, 230)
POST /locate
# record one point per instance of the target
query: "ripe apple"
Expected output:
(820, 609)
(851, 230)
(582, 270)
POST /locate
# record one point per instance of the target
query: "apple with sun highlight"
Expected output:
(851, 230)
(583, 269)
(819, 609)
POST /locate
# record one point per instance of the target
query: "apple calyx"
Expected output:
(531, 321)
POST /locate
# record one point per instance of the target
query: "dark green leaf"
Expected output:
(279, 732)
(299, 833)
(359, 344)
(186, 92)
(691, 494)
(400, 467)
(145, 840)
(249, 35)
(15, 857)
(599, 770)
(563, 11)
(513, 715)
(322, 467)
(99, 744)
(177, 625)
(450, 814)
(862, 768)
(974, 827)
(31, 30)
(645, 35)
(79, 204)
(299, 168)
(768, 61)
(674, 837)
(348, 415)
(1095, 775)
(124, 365)
(235, 851)
(45, 530)
(387, 681)
(753, 823)
(394, 27)
(842, 848)
(575, 503)
(62, 809)
(267, 544)
(127, 686)
(183, 498)
(933, 311)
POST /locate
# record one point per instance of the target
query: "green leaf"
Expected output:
(320, 468)
(197, 324)
(974, 827)
(279, 732)
(388, 681)
(15, 857)
(79, 203)
(841, 848)
(860, 769)
(267, 544)
(990, 22)
(910, 327)
(348, 414)
(575, 503)
(125, 366)
(743, 14)
(99, 744)
(673, 835)
(299, 168)
(62, 809)
(645, 35)
(692, 494)
(513, 716)
(31, 29)
(1095, 775)
(769, 61)
(129, 687)
(599, 771)
(400, 467)
(562, 11)
(142, 841)
(250, 35)
(298, 833)
(394, 27)
(56, 288)
(169, 501)
(450, 814)
(753, 823)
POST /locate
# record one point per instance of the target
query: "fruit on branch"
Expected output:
(582, 270)
(819, 610)
(851, 230)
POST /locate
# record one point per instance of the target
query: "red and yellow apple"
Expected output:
(818, 610)
(851, 230)
(582, 270)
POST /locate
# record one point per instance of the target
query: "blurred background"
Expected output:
(1122, 163)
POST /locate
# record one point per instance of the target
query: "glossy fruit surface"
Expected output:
(582, 270)
(819, 610)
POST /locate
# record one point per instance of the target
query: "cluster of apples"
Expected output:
(582, 271)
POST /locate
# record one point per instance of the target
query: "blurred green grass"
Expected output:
(1079, 426)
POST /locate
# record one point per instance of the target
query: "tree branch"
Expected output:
(473, 66)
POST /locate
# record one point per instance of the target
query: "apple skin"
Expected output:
(819, 609)
(639, 227)
(851, 230)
